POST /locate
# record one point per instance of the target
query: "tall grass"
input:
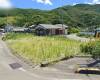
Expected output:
(39, 48)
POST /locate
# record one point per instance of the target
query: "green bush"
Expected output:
(92, 48)
(73, 30)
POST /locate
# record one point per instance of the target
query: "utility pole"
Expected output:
(62, 18)
(62, 21)
(6, 26)
(7, 14)
(6, 17)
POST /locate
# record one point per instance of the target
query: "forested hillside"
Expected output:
(80, 15)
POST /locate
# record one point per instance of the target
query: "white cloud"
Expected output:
(74, 4)
(6, 4)
(95, 2)
(48, 2)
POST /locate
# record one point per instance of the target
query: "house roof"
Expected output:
(32, 26)
(8, 26)
(60, 25)
(50, 26)
(19, 29)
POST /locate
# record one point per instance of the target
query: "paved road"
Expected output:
(75, 37)
(60, 71)
(6, 72)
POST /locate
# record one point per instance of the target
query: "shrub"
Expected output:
(73, 30)
(92, 48)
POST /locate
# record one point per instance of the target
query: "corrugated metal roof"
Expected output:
(19, 29)
(32, 26)
(50, 26)
(60, 25)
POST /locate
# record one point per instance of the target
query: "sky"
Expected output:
(43, 4)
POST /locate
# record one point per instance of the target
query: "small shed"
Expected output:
(49, 29)
(97, 33)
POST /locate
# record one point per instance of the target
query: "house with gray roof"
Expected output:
(49, 29)
(19, 29)
(8, 28)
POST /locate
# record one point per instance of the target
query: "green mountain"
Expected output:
(80, 15)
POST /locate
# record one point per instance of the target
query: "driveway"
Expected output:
(60, 71)
(75, 37)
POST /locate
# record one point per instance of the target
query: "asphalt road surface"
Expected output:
(60, 71)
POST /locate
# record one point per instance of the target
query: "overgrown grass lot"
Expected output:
(41, 48)
(92, 48)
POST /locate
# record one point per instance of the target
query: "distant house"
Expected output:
(8, 28)
(64, 27)
(19, 29)
(97, 32)
(31, 29)
(49, 29)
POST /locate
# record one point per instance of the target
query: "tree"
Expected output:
(2, 22)
(83, 16)
(38, 19)
(73, 30)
